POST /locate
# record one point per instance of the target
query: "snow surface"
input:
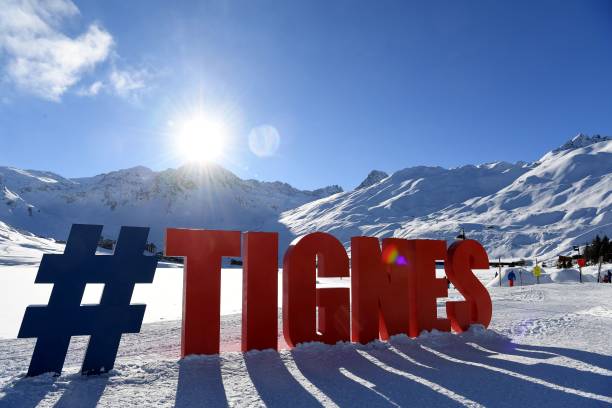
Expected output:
(548, 345)
(570, 275)
(525, 277)
(19, 247)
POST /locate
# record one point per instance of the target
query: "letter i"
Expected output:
(260, 291)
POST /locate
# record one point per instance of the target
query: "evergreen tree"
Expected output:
(606, 249)
(588, 253)
(596, 249)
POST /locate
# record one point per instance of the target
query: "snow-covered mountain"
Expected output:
(519, 210)
(191, 196)
(23, 248)
(386, 206)
(374, 177)
(515, 209)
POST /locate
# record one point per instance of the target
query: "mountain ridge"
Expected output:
(518, 209)
(209, 196)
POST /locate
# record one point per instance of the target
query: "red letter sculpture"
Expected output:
(201, 284)
(260, 291)
(463, 256)
(300, 296)
(379, 284)
(425, 288)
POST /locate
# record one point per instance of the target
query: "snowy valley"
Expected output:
(517, 210)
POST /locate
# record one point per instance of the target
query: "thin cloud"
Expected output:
(128, 82)
(91, 90)
(38, 57)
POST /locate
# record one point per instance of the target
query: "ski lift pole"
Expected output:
(599, 268)
(581, 263)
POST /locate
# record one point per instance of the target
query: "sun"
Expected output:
(200, 138)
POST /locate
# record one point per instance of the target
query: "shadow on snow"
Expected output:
(446, 370)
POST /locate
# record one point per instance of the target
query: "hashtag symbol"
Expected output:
(63, 317)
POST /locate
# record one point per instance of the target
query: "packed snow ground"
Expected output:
(164, 296)
(548, 345)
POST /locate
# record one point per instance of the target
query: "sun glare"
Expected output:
(200, 138)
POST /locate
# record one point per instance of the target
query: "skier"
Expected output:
(511, 278)
(609, 275)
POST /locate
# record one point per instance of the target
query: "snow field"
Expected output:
(548, 345)
(164, 296)
(549, 275)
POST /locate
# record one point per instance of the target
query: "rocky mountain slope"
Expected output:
(191, 196)
(515, 209)
(518, 210)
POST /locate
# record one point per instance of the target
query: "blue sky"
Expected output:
(347, 86)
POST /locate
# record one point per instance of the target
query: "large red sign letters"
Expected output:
(394, 289)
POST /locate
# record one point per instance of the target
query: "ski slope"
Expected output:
(23, 248)
(520, 210)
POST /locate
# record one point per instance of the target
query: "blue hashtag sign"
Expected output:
(64, 316)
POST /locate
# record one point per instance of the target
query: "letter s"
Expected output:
(462, 257)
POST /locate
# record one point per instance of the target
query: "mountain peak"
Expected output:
(327, 191)
(374, 177)
(582, 140)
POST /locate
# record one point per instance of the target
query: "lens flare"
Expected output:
(391, 256)
(264, 140)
